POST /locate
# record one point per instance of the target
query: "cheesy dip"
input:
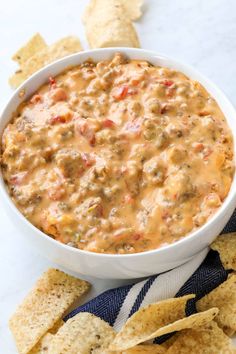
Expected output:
(118, 156)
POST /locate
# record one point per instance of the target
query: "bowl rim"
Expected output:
(185, 240)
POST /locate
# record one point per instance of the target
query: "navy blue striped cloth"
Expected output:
(200, 276)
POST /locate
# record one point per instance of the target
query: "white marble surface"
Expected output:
(199, 32)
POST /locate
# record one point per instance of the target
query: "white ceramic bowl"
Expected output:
(130, 265)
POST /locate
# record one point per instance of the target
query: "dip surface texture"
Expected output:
(118, 156)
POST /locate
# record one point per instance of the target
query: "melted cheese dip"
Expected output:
(118, 156)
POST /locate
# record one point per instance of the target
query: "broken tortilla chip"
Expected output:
(223, 297)
(52, 295)
(225, 245)
(149, 319)
(108, 25)
(208, 339)
(33, 46)
(84, 333)
(58, 50)
(43, 344)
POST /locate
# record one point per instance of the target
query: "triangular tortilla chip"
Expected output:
(226, 246)
(223, 297)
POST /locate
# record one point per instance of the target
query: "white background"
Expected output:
(199, 32)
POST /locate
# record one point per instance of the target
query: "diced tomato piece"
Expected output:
(121, 92)
(99, 210)
(137, 237)
(87, 132)
(198, 147)
(92, 140)
(52, 81)
(57, 119)
(108, 123)
(18, 178)
(134, 82)
(204, 113)
(168, 83)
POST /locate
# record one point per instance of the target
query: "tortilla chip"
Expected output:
(223, 297)
(196, 320)
(132, 8)
(58, 50)
(33, 46)
(83, 333)
(169, 342)
(107, 25)
(52, 295)
(146, 348)
(209, 339)
(141, 348)
(226, 246)
(148, 320)
(43, 345)
(56, 326)
(230, 332)
(17, 79)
